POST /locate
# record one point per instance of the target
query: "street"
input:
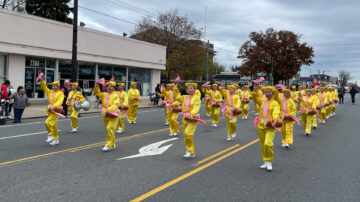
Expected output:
(324, 166)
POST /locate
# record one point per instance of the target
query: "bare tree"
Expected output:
(344, 77)
(13, 5)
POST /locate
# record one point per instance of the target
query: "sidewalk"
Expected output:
(39, 110)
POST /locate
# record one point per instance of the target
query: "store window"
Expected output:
(2, 69)
(142, 77)
(64, 70)
(109, 71)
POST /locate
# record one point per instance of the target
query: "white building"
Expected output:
(29, 44)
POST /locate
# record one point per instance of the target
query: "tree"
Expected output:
(13, 5)
(52, 9)
(216, 68)
(344, 77)
(280, 51)
(185, 52)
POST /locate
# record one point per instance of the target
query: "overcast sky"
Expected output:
(331, 27)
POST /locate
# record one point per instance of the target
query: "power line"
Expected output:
(132, 9)
(104, 14)
(137, 8)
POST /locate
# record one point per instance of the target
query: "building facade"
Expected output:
(29, 44)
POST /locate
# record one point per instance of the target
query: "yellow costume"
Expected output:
(267, 133)
(323, 99)
(55, 99)
(123, 100)
(110, 105)
(307, 104)
(207, 93)
(287, 127)
(335, 97)
(133, 104)
(316, 99)
(245, 103)
(232, 102)
(174, 124)
(215, 111)
(74, 97)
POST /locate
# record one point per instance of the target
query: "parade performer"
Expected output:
(173, 114)
(74, 97)
(165, 103)
(55, 99)
(267, 123)
(231, 110)
(245, 101)
(316, 99)
(190, 107)
(294, 96)
(206, 89)
(330, 100)
(307, 111)
(109, 112)
(123, 107)
(323, 100)
(288, 111)
(335, 97)
(216, 99)
(134, 99)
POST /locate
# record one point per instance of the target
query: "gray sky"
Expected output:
(331, 27)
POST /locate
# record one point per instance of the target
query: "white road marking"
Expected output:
(3, 138)
(60, 119)
(152, 149)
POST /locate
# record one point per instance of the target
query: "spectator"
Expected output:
(353, 93)
(157, 92)
(20, 103)
(341, 92)
(65, 89)
(5, 91)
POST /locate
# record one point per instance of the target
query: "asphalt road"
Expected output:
(322, 167)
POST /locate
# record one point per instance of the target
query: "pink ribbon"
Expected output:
(52, 102)
(187, 105)
(204, 85)
(114, 113)
(39, 77)
(101, 81)
(177, 79)
(260, 79)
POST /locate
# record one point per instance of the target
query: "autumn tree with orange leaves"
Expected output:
(277, 50)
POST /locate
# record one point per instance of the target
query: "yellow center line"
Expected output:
(215, 155)
(186, 175)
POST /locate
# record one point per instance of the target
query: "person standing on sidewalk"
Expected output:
(4, 99)
(55, 99)
(353, 93)
(20, 103)
(341, 92)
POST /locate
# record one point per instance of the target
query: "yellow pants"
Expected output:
(215, 111)
(322, 113)
(51, 125)
(287, 132)
(245, 109)
(328, 111)
(132, 112)
(167, 114)
(110, 125)
(307, 121)
(121, 120)
(189, 130)
(315, 124)
(74, 117)
(207, 108)
(333, 109)
(266, 137)
(174, 124)
(231, 125)
(257, 108)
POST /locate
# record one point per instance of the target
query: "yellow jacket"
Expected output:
(290, 107)
(113, 102)
(123, 98)
(74, 96)
(195, 104)
(132, 94)
(235, 99)
(309, 103)
(215, 96)
(197, 93)
(170, 95)
(294, 95)
(323, 98)
(273, 110)
(58, 97)
(245, 95)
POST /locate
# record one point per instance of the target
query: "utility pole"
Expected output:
(207, 61)
(74, 63)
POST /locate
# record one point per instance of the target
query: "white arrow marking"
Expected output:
(152, 149)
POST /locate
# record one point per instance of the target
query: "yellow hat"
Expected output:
(272, 88)
(55, 83)
(293, 87)
(208, 85)
(133, 83)
(232, 86)
(111, 83)
(307, 90)
(75, 84)
(228, 86)
(191, 84)
(215, 84)
(246, 86)
(123, 84)
(286, 90)
(169, 84)
(300, 87)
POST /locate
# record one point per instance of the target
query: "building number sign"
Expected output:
(34, 63)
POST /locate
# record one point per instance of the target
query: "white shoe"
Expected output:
(264, 165)
(106, 148)
(269, 166)
(257, 114)
(246, 117)
(323, 121)
(242, 118)
(229, 139)
(327, 118)
(334, 114)
(54, 142)
(233, 135)
(119, 131)
(187, 154)
(50, 138)
(212, 125)
(208, 115)
(283, 145)
(215, 125)
(171, 134)
(175, 134)
(166, 123)
(74, 130)
(130, 122)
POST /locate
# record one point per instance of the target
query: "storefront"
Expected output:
(46, 47)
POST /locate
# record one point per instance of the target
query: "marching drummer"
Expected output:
(74, 97)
